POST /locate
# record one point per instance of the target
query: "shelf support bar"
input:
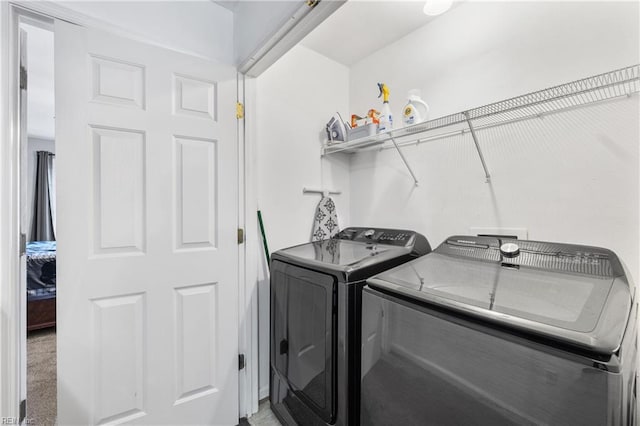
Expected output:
(415, 180)
(475, 141)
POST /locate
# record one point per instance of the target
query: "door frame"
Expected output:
(11, 14)
(247, 294)
(10, 347)
(247, 185)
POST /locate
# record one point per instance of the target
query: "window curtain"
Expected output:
(44, 206)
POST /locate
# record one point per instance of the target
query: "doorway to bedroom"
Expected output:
(38, 195)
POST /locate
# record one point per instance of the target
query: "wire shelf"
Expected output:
(590, 90)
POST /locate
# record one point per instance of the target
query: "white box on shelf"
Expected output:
(361, 131)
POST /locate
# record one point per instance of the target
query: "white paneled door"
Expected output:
(147, 216)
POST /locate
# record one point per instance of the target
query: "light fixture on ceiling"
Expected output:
(436, 7)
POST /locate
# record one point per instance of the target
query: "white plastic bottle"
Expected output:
(386, 119)
(416, 110)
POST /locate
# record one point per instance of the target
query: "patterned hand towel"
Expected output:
(325, 223)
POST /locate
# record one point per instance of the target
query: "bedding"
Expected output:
(41, 270)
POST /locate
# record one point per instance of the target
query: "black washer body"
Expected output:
(316, 293)
(499, 331)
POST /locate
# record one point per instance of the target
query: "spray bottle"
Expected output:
(386, 119)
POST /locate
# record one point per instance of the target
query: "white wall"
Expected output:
(40, 99)
(294, 100)
(481, 52)
(570, 177)
(200, 27)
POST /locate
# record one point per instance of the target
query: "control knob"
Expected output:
(509, 250)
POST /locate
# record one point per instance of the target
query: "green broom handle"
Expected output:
(264, 239)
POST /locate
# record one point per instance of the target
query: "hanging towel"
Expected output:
(325, 223)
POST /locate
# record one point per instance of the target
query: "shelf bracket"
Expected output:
(475, 141)
(415, 180)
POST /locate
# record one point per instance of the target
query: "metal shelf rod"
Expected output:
(475, 141)
(415, 180)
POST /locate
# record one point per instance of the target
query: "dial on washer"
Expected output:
(509, 250)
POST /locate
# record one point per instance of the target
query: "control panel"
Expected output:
(395, 237)
(537, 254)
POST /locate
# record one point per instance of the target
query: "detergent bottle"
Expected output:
(416, 110)
(386, 119)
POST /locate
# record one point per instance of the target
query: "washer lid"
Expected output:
(574, 294)
(342, 254)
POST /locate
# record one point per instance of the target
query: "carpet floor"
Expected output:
(41, 377)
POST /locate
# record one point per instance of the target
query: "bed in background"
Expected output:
(41, 284)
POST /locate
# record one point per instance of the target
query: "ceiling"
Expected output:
(231, 5)
(360, 27)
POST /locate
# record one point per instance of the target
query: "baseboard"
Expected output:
(263, 392)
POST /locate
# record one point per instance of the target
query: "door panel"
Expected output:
(117, 83)
(119, 186)
(303, 307)
(195, 167)
(118, 347)
(147, 253)
(195, 375)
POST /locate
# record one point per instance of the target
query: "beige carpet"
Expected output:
(41, 377)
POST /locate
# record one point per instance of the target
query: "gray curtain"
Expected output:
(43, 225)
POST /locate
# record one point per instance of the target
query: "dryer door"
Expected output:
(303, 334)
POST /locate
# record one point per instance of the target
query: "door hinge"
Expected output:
(23, 244)
(239, 110)
(240, 235)
(312, 3)
(241, 362)
(23, 410)
(23, 78)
